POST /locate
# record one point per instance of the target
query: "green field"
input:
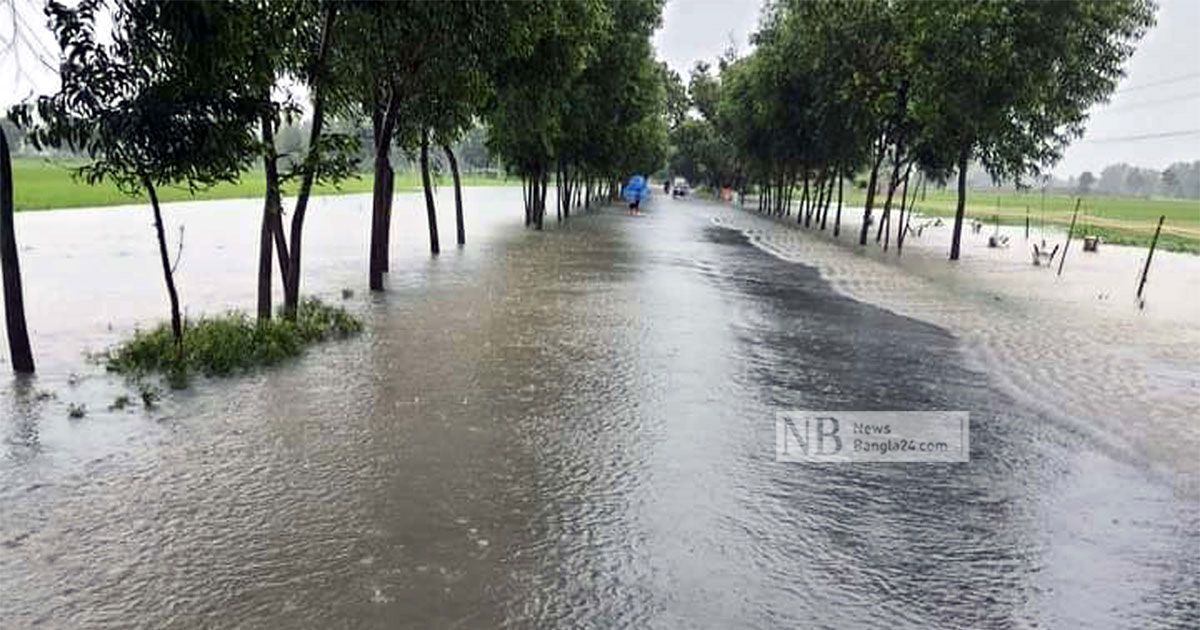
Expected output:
(42, 185)
(1122, 220)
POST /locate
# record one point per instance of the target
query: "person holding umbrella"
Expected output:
(635, 191)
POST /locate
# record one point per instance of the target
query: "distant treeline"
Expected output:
(1180, 180)
(291, 141)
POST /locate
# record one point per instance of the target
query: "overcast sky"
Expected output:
(1159, 96)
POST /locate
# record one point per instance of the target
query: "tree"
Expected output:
(150, 108)
(20, 351)
(549, 45)
(406, 65)
(449, 89)
(1136, 183)
(330, 157)
(1086, 181)
(903, 89)
(1010, 83)
(676, 96)
(14, 302)
(704, 90)
(620, 86)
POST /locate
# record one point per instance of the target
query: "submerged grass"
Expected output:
(230, 343)
(1117, 220)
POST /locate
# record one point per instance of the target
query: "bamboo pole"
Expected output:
(1149, 256)
(1071, 230)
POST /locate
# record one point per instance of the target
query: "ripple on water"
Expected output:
(1105, 370)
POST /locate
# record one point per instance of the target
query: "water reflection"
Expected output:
(565, 429)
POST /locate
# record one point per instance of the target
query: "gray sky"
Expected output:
(703, 29)
(1159, 95)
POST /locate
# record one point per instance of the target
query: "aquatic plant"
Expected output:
(229, 343)
(149, 395)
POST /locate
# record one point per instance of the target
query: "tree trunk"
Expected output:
(381, 200)
(542, 198)
(458, 211)
(539, 198)
(386, 236)
(785, 192)
(265, 250)
(900, 223)
(893, 182)
(866, 223)
(272, 223)
(527, 196)
(805, 203)
(558, 192)
(569, 193)
(828, 199)
(837, 217)
(964, 155)
(781, 194)
(815, 211)
(818, 197)
(430, 209)
(814, 201)
(10, 267)
(168, 272)
(291, 285)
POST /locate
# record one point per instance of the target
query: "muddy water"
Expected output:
(567, 429)
(1078, 346)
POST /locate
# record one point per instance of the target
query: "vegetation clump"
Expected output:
(233, 342)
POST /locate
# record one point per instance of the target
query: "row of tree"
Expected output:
(893, 90)
(190, 93)
(291, 144)
(1180, 180)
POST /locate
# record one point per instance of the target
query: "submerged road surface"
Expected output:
(567, 429)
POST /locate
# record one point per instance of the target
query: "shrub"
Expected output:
(230, 343)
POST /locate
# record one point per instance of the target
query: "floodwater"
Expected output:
(568, 429)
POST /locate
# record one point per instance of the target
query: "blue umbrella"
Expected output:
(636, 189)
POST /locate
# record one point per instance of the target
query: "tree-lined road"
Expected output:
(575, 428)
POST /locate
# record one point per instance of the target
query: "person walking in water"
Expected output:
(635, 191)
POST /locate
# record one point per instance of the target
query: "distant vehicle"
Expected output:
(679, 188)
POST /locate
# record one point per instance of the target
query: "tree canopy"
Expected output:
(892, 88)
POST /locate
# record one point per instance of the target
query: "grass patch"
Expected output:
(41, 184)
(1117, 220)
(227, 344)
(120, 403)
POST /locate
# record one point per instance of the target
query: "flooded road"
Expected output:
(566, 429)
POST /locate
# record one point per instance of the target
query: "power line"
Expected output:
(1143, 86)
(40, 50)
(1161, 101)
(1149, 136)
